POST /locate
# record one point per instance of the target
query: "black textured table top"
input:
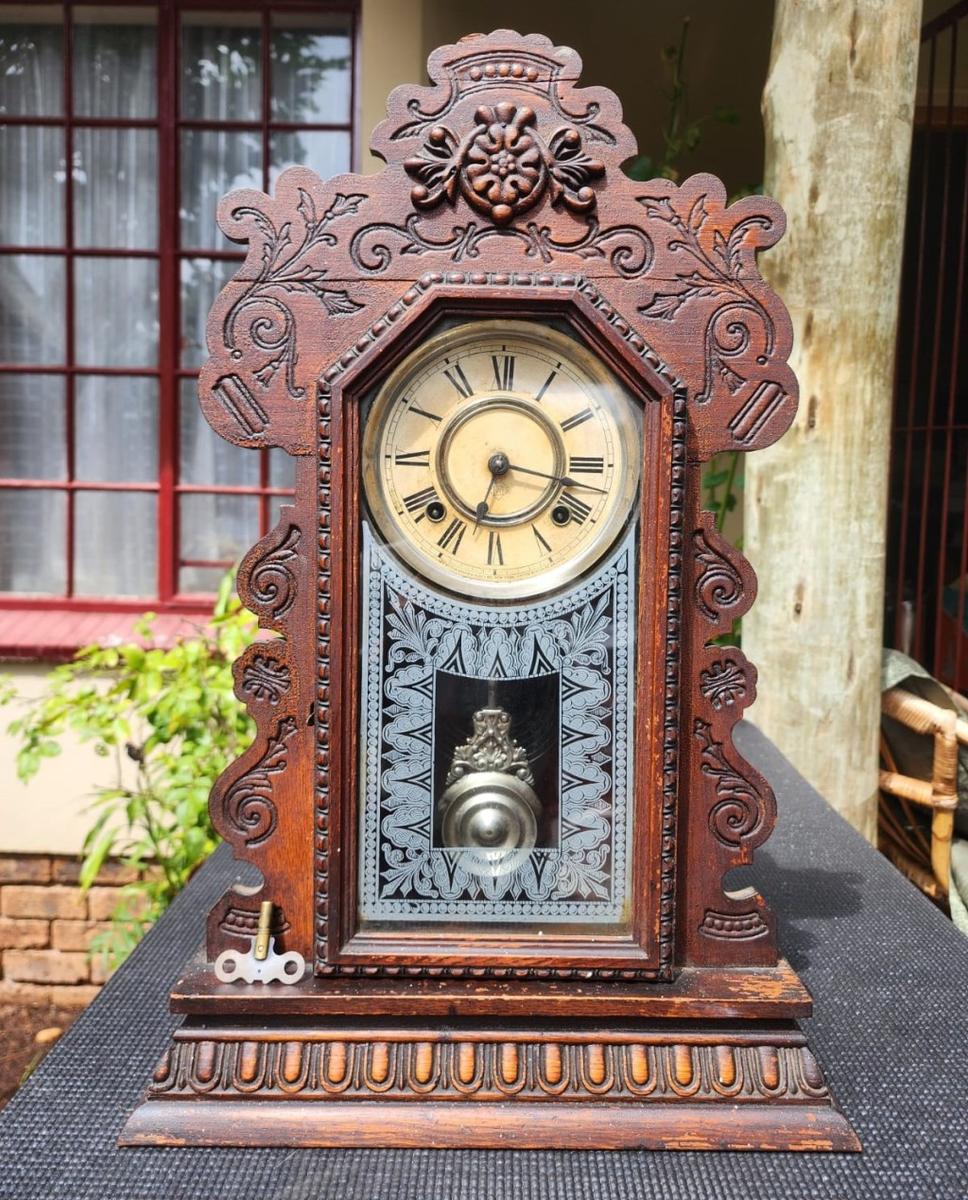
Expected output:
(889, 976)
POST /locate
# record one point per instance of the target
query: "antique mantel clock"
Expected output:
(493, 795)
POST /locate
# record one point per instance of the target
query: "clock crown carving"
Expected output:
(502, 167)
(493, 781)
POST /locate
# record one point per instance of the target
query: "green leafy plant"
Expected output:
(168, 718)
(681, 134)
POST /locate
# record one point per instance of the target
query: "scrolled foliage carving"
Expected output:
(719, 585)
(714, 268)
(248, 807)
(265, 679)
(287, 268)
(724, 683)
(271, 579)
(627, 247)
(739, 811)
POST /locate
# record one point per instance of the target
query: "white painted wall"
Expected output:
(48, 815)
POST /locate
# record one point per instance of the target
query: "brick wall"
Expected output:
(46, 927)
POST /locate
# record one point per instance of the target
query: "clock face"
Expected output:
(501, 458)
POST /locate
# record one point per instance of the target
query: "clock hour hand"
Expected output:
(481, 511)
(563, 480)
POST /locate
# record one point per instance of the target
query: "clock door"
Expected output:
(507, 470)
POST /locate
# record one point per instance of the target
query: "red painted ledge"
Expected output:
(55, 635)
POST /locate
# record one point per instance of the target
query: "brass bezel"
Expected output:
(582, 358)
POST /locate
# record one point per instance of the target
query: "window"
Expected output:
(121, 126)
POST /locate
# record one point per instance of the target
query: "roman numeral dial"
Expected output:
(500, 459)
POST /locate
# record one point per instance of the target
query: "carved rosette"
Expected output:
(263, 677)
(502, 166)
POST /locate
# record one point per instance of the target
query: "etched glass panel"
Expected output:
(533, 700)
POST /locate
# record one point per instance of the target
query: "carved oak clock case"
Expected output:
(493, 794)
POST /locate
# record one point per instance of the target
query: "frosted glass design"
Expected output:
(579, 647)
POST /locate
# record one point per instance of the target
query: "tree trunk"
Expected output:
(838, 110)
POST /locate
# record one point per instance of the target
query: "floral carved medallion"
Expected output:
(502, 166)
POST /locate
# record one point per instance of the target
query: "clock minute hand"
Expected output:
(564, 480)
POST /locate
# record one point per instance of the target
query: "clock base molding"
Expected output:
(696, 994)
(471, 1084)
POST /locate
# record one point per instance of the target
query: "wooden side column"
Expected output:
(838, 110)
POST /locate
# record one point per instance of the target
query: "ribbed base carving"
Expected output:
(407, 1086)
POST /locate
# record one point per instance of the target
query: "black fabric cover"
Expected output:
(888, 972)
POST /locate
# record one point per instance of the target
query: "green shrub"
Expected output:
(169, 720)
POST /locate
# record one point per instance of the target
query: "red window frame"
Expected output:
(169, 254)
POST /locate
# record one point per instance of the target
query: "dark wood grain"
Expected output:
(342, 278)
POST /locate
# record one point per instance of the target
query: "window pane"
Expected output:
(32, 419)
(201, 281)
(213, 163)
(31, 60)
(116, 312)
(282, 469)
(31, 185)
(207, 458)
(215, 529)
(33, 531)
(113, 61)
(326, 151)
(311, 55)
(115, 540)
(31, 308)
(221, 67)
(115, 188)
(116, 429)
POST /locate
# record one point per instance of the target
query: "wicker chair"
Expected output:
(917, 815)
